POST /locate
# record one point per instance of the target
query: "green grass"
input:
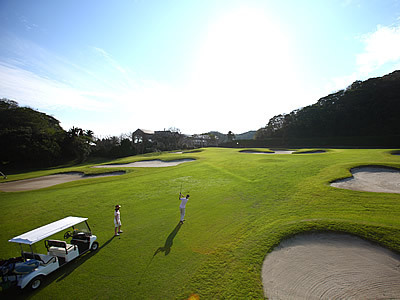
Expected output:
(241, 206)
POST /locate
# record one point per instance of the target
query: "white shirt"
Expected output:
(183, 202)
(117, 215)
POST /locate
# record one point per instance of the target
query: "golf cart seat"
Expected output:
(26, 267)
(58, 248)
(42, 258)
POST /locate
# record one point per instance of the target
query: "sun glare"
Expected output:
(245, 55)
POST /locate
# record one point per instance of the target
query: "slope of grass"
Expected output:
(241, 206)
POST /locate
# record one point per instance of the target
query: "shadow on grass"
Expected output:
(58, 275)
(70, 267)
(166, 248)
(169, 241)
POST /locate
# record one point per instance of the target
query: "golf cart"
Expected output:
(30, 268)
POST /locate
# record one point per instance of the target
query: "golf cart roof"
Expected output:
(45, 231)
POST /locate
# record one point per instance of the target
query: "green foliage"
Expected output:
(369, 108)
(113, 147)
(28, 136)
(77, 144)
(33, 139)
(231, 136)
(249, 135)
(223, 138)
(241, 206)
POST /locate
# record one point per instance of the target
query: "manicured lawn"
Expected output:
(241, 206)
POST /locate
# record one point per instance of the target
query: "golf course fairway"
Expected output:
(241, 207)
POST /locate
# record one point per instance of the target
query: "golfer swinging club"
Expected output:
(182, 206)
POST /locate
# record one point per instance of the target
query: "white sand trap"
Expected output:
(312, 152)
(260, 152)
(148, 164)
(46, 181)
(371, 179)
(331, 266)
(283, 152)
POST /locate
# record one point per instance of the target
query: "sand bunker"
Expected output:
(282, 152)
(148, 164)
(371, 179)
(46, 181)
(260, 152)
(312, 152)
(331, 266)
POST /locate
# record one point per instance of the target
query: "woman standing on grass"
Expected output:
(117, 220)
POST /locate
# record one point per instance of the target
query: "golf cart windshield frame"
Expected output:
(82, 227)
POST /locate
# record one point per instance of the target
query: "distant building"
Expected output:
(204, 140)
(164, 133)
(149, 140)
(142, 135)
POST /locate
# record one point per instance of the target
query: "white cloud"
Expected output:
(25, 22)
(381, 47)
(38, 91)
(348, 3)
(339, 83)
(239, 80)
(109, 59)
(100, 94)
(380, 55)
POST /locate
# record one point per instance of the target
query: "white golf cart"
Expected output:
(30, 268)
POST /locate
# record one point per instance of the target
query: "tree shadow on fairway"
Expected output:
(169, 241)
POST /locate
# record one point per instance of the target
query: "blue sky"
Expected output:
(115, 66)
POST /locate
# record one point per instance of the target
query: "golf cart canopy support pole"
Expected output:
(90, 230)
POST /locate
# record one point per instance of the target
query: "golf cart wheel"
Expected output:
(95, 246)
(36, 283)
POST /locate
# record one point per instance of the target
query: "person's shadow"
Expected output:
(169, 241)
(166, 248)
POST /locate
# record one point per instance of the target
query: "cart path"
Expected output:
(371, 179)
(156, 163)
(331, 266)
(50, 180)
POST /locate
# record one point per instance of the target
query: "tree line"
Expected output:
(30, 138)
(365, 108)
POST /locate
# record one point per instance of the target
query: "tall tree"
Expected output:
(77, 143)
(231, 136)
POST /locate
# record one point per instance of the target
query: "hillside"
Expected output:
(365, 108)
(249, 135)
(30, 138)
(27, 135)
